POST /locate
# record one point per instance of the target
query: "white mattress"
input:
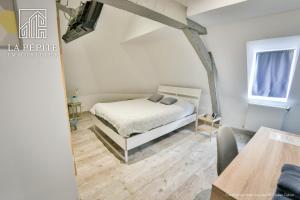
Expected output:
(141, 115)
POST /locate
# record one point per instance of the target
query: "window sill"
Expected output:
(278, 105)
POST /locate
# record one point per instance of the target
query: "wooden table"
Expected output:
(254, 173)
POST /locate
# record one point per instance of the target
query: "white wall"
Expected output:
(100, 65)
(228, 44)
(164, 56)
(175, 61)
(36, 161)
(177, 64)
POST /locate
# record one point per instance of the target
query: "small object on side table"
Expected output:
(208, 123)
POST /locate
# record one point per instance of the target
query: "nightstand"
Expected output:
(74, 114)
(74, 109)
(206, 123)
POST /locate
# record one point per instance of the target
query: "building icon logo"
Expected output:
(33, 23)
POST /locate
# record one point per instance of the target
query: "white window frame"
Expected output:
(269, 45)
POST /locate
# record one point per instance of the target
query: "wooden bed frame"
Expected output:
(189, 94)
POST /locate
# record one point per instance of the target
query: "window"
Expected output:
(272, 75)
(271, 67)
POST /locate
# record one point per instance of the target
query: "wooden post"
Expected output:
(64, 84)
(208, 63)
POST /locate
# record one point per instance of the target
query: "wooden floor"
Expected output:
(177, 166)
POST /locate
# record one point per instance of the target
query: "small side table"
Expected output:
(207, 123)
(74, 114)
(74, 109)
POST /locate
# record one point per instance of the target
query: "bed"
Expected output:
(135, 122)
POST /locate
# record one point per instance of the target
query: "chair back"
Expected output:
(226, 148)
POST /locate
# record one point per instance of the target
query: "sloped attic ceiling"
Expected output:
(183, 2)
(176, 63)
(99, 64)
(212, 12)
(163, 56)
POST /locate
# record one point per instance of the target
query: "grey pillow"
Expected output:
(168, 101)
(156, 97)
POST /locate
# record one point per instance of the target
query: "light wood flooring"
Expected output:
(178, 166)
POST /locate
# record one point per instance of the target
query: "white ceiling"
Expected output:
(244, 10)
(183, 2)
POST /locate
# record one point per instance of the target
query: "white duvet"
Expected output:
(141, 115)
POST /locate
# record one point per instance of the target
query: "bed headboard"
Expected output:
(189, 94)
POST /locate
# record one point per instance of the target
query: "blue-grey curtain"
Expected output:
(272, 76)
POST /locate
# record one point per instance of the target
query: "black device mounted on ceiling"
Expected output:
(84, 22)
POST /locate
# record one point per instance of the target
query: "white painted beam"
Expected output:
(199, 47)
(169, 8)
(167, 12)
(208, 63)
